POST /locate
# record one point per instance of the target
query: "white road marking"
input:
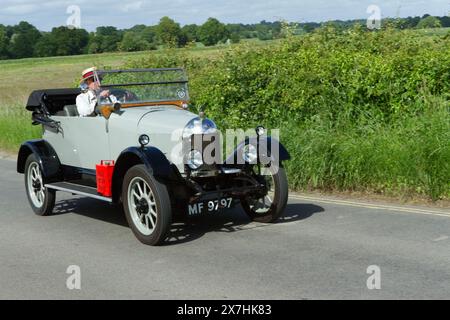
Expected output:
(374, 206)
(440, 239)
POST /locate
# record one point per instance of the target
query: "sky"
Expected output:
(126, 13)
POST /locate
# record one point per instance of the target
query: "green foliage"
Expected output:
(169, 33)
(366, 111)
(212, 32)
(23, 40)
(191, 32)
(4, 41)
(134, 42)
(62, 41)
(105, 39)
(429, 22)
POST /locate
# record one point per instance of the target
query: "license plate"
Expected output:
(211, 206)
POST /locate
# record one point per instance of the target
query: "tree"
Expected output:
(235, 38)
(62, 41)
(132, 41)
(46, 46)
(190, 31)
(429, 22)
(105, 39)
(213, 32)
(169, 32)
(149, 35)
(23, 40)
(4, 41)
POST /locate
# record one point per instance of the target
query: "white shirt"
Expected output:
(86, 103)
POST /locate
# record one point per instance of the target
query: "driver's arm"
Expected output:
(107, 95)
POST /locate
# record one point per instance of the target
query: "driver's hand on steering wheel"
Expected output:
(105, 94)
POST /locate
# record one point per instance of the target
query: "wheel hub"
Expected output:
(37, 185)
(142, 207)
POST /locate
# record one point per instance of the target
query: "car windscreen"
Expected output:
(140, 86)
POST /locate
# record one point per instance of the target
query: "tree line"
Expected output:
(24, 40)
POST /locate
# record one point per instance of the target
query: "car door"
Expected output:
(91, 141)
(82, 142)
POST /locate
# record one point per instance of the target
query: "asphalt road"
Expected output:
(321, 250)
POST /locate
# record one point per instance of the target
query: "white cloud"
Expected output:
(130, 7)
(46, 14)
(21, 9)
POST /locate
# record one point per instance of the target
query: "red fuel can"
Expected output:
(104, 173)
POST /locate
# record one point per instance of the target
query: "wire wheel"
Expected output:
(36, 189)
(147, 205)
(142, 206)
(270, 207)
(263, 205)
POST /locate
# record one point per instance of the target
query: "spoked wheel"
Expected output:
(147, 206)
(42, 200)
(270, 207)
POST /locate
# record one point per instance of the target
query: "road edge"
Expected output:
(338, 196)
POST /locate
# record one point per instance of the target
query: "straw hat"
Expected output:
(87, 74)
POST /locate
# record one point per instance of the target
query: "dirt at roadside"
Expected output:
(377, 198)
(7, 155)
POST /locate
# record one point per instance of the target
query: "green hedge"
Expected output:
(358, 110)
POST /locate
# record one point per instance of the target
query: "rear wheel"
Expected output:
(271, 207)
(41, 199)
(147, 206)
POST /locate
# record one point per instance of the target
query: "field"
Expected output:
(359, 111)
(20, 77)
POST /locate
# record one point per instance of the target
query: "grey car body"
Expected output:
(147, 141)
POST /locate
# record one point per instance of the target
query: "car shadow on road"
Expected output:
(185, 229)
(234, 220)
(92, 208)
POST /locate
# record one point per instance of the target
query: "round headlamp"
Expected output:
(194, 159)
(250, 154)
(144, 140)
(199, 126)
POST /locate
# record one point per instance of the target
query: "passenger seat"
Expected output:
(71, 110)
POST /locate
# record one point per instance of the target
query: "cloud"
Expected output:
(46, 14)
(21, 9)
(130, 7)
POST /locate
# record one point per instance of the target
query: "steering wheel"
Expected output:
(124, 95)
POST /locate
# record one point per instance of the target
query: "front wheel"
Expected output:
(271, 207)
(147, 206)
(41, 199)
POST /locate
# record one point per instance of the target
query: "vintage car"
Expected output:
(147, 151)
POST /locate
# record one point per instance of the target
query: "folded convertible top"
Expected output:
(34, 101)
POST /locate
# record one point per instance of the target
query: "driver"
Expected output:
(87, 100)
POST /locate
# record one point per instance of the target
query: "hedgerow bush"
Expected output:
(358, 110)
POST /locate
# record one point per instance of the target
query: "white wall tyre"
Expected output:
(271, 207)
(41, 199)
(147, 206)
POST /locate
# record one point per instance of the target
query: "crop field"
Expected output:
(359, 111)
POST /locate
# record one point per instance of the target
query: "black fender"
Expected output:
(271, 150)
(154, 160)
(46, 155)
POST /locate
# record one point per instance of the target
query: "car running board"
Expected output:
(78, 190)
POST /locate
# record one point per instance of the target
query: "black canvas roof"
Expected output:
(53, 97)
